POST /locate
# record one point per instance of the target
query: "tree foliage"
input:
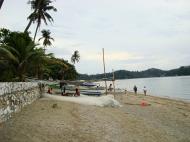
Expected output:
(46, 38)
(21, 58)
(75, 57)
(123, 74)
(16, 50)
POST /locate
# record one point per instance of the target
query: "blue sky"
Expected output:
(136, 34)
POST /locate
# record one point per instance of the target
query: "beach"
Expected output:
(140, 119)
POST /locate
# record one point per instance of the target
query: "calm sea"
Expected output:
(172, 87)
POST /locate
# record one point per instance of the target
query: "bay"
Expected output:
(172, 87)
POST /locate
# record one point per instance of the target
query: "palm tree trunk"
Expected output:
(62, 74)
(1, 3)
(36, 71)
(28, 26)
(20, 75)
(21, 72)
(40, 72)
(21, 78)
(36, 31)
(44, 50)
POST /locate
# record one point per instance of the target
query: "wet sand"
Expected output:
(140, 119)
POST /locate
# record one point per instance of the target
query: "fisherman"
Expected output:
(63, 88)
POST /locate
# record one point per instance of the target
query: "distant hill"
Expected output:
(153, 72)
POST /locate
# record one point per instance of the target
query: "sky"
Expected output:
(135, 34)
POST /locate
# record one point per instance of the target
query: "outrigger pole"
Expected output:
(104, 71)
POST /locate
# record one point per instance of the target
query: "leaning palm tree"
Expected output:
(75, 57)
(32, 17)
(47, 38)
(40, 13)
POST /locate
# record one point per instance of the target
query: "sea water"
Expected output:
(171, 87)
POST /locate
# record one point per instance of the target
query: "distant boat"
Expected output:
(90, 92)
(89, 84)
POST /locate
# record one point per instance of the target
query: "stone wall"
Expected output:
(15, 95)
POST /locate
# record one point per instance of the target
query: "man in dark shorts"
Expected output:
(135, 89)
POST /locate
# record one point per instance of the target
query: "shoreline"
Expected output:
(171, 87)
(164, 97)
(121, 90)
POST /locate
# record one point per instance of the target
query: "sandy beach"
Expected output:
(140, 119)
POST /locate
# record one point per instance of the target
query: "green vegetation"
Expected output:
(123, 74)
(17, 49)
(21, 58)
(54, 86)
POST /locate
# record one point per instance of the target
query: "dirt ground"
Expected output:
(140, 119)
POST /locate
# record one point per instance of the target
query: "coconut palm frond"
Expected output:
(7, 55)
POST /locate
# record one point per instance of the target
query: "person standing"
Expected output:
(110, 88)
(135, 89)
(49, 90)
(77, 92)
(145, 90)
(63, 88)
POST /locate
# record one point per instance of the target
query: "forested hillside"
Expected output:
(153, 72)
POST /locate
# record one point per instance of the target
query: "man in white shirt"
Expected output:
(145, 90)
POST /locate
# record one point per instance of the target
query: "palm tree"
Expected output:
(47, 38)
(18, 53)
(32, 17)
(37, 64)
(75, 57)
(1, 3)
(41, 8)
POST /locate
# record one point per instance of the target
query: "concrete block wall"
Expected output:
(15, 95)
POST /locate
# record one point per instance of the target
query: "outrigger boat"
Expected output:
(88, 84)
(86, 88)
(91, 92)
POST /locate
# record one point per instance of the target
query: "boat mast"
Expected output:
(113, 80)
(104, 70)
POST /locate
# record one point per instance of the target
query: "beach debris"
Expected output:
(54, 106)
(143, 103)
(184, 114)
